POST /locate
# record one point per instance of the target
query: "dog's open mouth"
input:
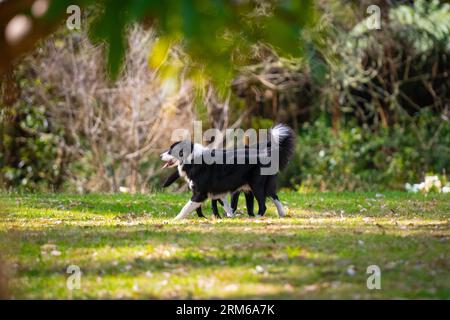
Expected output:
(168, 164)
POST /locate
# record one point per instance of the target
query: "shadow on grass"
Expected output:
(290, 253)
(327, 253)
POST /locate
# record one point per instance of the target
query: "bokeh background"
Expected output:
(90, 109)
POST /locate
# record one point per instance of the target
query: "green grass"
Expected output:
(127, 246)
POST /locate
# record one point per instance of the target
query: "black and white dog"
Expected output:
(242, 169)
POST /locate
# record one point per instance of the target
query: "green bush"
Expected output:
(29, 157)
(357, 158)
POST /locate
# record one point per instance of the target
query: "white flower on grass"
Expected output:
(413, 187)
(430, 183)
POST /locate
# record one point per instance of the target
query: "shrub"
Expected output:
(359, 158)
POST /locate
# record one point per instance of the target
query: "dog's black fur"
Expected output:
(249, 202)
(215, 180)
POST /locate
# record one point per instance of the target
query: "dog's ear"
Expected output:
(171, 179)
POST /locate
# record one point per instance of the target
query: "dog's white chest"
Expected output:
(182, 173)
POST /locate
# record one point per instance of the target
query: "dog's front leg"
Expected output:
(194, 203)
(188, 208)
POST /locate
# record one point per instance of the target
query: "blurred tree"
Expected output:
(385, 77)
(215, 33)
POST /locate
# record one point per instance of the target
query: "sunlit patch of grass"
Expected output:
(128, 246)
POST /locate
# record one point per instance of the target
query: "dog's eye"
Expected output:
(181, 153)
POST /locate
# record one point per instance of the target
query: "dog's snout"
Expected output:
(165, 156)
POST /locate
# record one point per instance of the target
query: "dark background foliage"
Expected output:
(371, 107)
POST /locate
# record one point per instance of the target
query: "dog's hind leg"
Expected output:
(259, 193)
(261, 203)
(279, 206)
(249, 203)
(271, 191)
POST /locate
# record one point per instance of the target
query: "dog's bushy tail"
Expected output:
(284, 139)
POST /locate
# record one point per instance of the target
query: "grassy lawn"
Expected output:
(127, 246)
